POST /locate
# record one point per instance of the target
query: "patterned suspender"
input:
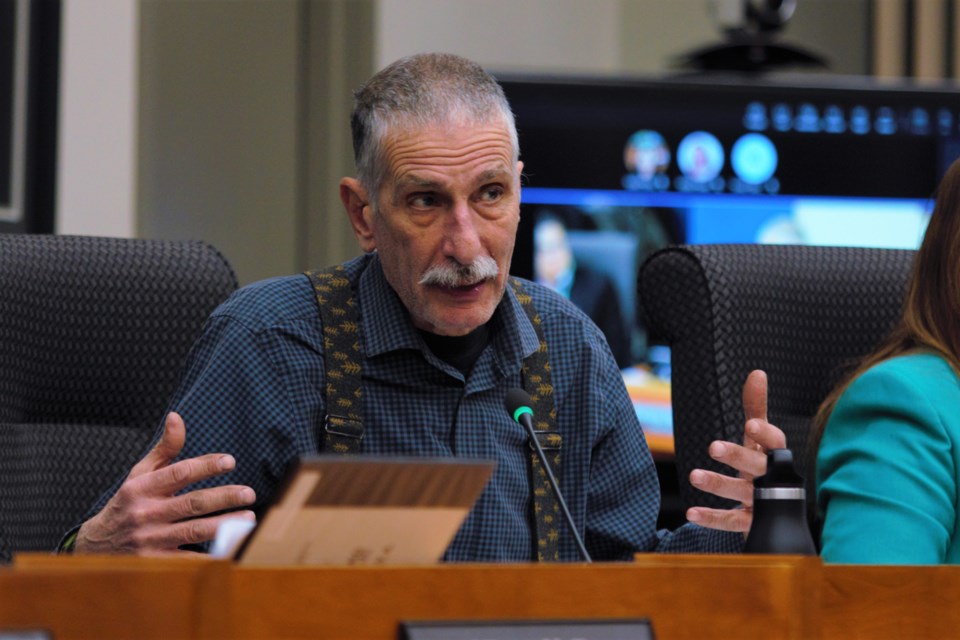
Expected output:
(343, 424)
(536, 382)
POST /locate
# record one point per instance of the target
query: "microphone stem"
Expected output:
(556, 490)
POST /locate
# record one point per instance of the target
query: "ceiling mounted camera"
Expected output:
(752, 16)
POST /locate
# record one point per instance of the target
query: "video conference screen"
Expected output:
(615, 170)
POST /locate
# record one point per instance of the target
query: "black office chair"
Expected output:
(802, 314)
(93, 333)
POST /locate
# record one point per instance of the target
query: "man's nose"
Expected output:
(461, 238)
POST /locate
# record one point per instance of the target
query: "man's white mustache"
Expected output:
(453, 274)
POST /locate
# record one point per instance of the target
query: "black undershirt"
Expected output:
(459, 352)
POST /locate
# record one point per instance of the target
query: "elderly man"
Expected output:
(438, 334)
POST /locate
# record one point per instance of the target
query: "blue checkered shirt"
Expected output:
(254, 387)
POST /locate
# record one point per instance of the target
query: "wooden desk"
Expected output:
(890, 602)
(88, 597)
(370, 602)
(684, 597)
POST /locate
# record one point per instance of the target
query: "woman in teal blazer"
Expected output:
(888, 461)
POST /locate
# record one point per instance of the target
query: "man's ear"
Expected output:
(359, 210)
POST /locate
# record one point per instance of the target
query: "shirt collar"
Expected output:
(387, 326)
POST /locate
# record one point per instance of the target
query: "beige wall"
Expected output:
(219, 128)
(97, 146)
(238, 122)
(557, 36)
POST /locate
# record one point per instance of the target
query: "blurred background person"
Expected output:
(590, 289)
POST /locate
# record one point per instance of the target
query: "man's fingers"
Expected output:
(179, 554)
(168, 537)
(765, 435)
(172, 478)
(723, 519)
(206, 501)
(748, 462)
(201, 529)
(167, 448)
(755, 396)
(718, 484)
(132, 523)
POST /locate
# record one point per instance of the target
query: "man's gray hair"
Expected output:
(417, 92)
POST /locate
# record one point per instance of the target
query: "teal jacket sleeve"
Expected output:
(886, 473)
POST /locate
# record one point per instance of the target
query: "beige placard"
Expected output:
(355, 511)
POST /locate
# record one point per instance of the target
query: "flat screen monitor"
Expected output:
(616, 169)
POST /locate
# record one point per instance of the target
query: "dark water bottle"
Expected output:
(780, 509)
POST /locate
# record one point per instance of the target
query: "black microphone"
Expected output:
(518, 404)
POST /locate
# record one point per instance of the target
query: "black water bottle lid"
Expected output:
(781, 480)
(779, 509)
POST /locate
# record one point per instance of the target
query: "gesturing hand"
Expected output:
(146, 517)
(749, 459)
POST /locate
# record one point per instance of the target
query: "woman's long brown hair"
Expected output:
(931, 310)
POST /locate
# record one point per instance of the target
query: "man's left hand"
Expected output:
(749, 459)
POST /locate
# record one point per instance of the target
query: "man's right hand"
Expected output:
(146, 517)
(749, 459)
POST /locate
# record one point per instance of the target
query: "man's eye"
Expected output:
(491, 193)
(423, 200)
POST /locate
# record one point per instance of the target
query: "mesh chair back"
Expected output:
(93, 334)
(802, 314)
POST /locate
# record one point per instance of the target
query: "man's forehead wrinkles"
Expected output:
(441, 135)
(421, 156)
(415, 178)
(428, 146)
(444, 148)
(418, 176)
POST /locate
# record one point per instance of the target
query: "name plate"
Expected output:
(629, 629)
